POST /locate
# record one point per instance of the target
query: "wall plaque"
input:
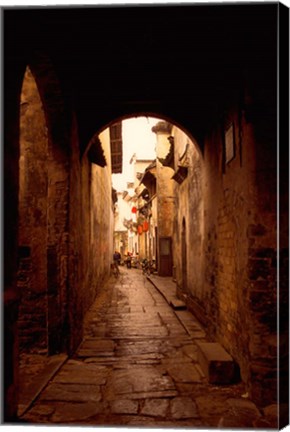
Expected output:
(229, 143)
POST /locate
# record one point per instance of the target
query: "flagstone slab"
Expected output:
(98, 344)
(190, 351)
(177, 359)
(154, 394)
(124, 406)
(147, 362)
(39, 413)
(187, 374)
(113, 310)
(183, 407)
(136, 308)
(129, 325)
(191, 324)
(93, 353)
(155, 407)
(150, 346)
(104, 361)
(82, 373)
(137, 379)
(43, 410)
(74, 412)
(72, 393)
(210, 405)
(175, 331)
(156, 331)
(162, 309)
(139, 319)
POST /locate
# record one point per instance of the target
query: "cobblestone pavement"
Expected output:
(137, 366)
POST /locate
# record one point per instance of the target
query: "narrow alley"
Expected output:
(138, 365)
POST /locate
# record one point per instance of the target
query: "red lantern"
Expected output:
(134, 210)
(145, 226)
(140, 229)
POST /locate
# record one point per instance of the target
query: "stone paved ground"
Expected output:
(137, 366)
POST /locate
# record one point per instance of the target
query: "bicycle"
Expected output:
(147, 267)
(115, 270)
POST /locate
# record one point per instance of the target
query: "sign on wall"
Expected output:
(229, 143)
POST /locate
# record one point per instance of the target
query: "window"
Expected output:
(116, 147)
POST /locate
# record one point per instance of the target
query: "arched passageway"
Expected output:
(43, 213)
(33, 205)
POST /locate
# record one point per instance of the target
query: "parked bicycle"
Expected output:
(148, 267)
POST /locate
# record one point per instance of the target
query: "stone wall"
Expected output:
(227, 211)
(91, 234)
(43, 219)
(65, 226)
(165, 199)
(33, 190)
(265, 292)
(226, 247)
(189, 218)
(102, 219)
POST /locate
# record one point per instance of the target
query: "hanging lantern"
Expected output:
(140, 229)
(145, 226)
(134, 210)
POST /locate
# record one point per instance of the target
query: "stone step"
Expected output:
(217, 365)
(177, 304)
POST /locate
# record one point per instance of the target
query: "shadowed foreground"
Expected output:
(137, 366)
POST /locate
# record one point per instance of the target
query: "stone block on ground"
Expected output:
(177, 304)
(217, 365)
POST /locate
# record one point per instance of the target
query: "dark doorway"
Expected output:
(184, 256)
(165, 256)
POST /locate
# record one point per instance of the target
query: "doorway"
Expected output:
(184, 256)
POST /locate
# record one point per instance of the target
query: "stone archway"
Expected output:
(32, 232)
(178, 153)
(44, 175)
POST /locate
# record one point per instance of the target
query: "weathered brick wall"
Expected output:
(66, 226)
(58, 123)
(230, 219)
(262, 234)
(226, 248)
(57, 249)
(165, 184)
(228, 213)
(33, 184)
(189, 208)
(240, 251)
(101, 238)
(91, 235)
(165, 196)
(43, 213)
